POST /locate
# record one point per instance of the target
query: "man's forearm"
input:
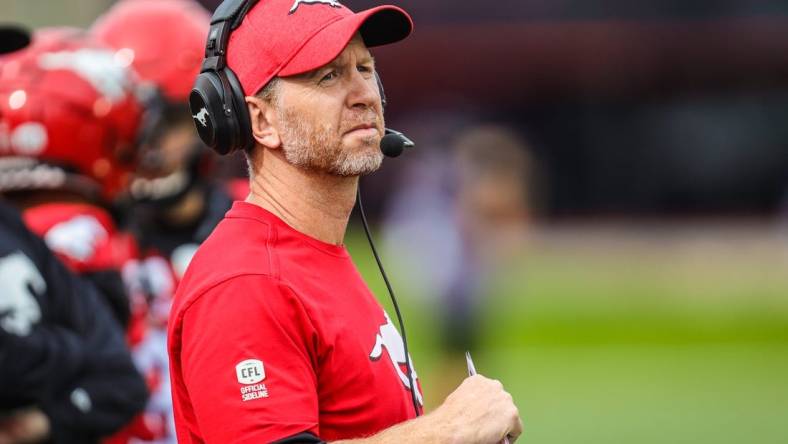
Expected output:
(427, 429)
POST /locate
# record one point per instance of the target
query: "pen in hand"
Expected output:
(471, 372)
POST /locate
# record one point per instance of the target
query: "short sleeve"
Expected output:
(248, 354)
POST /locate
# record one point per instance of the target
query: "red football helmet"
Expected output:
(69, 116)
(164, 40)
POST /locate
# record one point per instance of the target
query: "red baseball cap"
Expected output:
(289, 37)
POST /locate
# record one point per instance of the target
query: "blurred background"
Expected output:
(597, 209)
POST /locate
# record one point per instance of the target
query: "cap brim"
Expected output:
(13, 38)
(378, 26)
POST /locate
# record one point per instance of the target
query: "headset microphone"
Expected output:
(394, 143)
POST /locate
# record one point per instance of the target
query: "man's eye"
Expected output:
(329, 76)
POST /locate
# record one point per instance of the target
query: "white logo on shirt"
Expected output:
(250, 372)
(389, 337)
(19, 310)
(77, 237)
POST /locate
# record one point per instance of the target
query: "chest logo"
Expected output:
(389, 338)
(19, 310)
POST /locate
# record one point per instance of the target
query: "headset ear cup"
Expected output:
(207, 106)
(244, 139)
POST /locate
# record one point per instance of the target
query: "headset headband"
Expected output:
(227, 17)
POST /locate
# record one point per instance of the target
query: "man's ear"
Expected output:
(262, 116)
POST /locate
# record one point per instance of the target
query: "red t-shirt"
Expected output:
(274, 333)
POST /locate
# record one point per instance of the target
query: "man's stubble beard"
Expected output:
(318, 149)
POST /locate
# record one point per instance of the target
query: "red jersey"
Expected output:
(83, 236)
(274, 333)
(86, 239)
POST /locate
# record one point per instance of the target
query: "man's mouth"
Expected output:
(364, 129)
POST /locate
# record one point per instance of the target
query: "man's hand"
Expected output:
(24, 427)
(479, 411)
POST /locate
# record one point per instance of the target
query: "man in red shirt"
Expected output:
(273, 336)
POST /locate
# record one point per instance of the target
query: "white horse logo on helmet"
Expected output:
(202, 117)
(332, 3)
(96, 66)
(389, 337)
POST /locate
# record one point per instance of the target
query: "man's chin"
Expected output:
(355, 141)
(359, 164)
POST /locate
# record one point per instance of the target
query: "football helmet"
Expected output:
(69, 116)
(164, 40)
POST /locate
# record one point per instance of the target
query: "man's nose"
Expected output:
(363, 91)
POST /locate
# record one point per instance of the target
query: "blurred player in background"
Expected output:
(175, 200)
(471, 191)
(70, 119)
(66, 375)
(65, 370)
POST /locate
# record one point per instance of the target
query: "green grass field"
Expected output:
(673, 340)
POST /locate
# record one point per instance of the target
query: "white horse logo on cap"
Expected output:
(202, 117)
(332, 3)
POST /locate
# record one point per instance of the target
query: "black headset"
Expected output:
(218, 102)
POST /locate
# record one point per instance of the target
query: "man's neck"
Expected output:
(316, 204)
